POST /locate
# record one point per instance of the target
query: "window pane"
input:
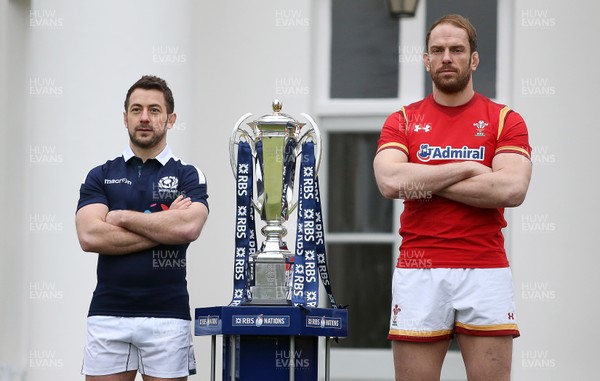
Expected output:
(354, 201)
(483, 15)
(364, 50)
(361, 277)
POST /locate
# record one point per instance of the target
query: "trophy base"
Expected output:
(270, 280)
(268, 302)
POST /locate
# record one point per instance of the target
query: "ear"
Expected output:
(474, 60)
(171, 121)
(426, 61)
(125, 119)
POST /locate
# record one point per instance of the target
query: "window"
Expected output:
(364, 50)
(482, 15)
(353, 192)
(361, 272)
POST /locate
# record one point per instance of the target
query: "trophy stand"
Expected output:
(275, 343)
(272, 326)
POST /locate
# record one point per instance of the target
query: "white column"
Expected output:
(14, 18)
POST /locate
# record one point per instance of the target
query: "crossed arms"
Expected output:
(503, 185)
(124, 231)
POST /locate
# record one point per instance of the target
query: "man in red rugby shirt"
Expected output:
(457, 159)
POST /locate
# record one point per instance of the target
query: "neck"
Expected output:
(147, 153)
(453, 99)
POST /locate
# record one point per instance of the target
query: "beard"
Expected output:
(152, 139)
(453, 85)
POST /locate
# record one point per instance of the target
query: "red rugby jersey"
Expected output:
(437, 232)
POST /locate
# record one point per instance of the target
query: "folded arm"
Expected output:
(97, 236)
(505, 186)
(397, 178)
(123, 231)
(182, 223)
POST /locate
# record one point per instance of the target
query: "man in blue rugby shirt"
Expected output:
(140, 212)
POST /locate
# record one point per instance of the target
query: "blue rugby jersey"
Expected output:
(149, 283)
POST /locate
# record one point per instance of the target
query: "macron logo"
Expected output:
(124, 180)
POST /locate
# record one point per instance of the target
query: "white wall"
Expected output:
(13, 291)
(234, 57)
(555, 260)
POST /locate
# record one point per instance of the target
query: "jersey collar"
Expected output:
(163, 157)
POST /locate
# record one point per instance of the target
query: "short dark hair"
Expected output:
(459, 22)
(151, 82)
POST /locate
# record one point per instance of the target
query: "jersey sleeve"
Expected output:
(512, 135)
(92, 189)
(393, 134)
(194, 185)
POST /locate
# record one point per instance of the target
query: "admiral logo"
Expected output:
(124, 180)
(323, 322)
(426, 127)
(260, 321)
(427, 153)
(208, 321)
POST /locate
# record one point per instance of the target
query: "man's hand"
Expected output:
(476, 168)
(181, 202)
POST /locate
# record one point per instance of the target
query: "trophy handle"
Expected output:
(239, 133)
(317, 139)
(314, 133)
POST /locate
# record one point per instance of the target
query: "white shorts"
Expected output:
(434, 303)
(155, 347)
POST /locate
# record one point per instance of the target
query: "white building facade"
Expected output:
(65, 68)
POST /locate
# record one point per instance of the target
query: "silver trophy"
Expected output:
(276, 140)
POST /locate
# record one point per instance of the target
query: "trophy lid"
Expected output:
(277, 117)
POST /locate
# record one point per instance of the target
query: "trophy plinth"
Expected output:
(275, 140)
